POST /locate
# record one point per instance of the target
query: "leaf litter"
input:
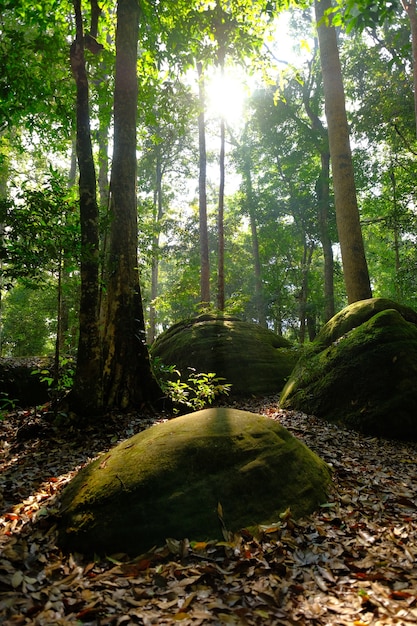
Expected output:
(353, 562)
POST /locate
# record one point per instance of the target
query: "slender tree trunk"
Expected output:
(103, 165)
(127, 376)
(204, 246)
(355, 268)
(409, 7)
(86, 396)
(59, 340)
(259, 296)
(303, 297)
(62, 304)
(4, 175)
(103, 132)
(323, 194)
(323, 198)
(220, 221)
(158, 211)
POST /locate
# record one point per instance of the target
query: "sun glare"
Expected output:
(226, 95)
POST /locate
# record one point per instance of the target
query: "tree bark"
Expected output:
(323, 196)
(86, 395)
(204, 246)
(158, 212)
(127, 377)
(409, 7)
(220, 222)
(355, 268)
(303, 295)
(323, 200)
(259, 295)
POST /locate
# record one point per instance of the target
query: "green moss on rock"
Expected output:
(361, 371)
(168, 480)
(252, 358)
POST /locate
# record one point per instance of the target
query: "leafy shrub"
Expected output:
(65, 378)
(196, 392)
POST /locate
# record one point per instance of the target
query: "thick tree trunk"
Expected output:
(347, 215)
(86, 395)
(204, 246)
(103, 165)
(127, 376)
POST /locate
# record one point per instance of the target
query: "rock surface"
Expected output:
(252, 358)
(167, 482)
(361, 371)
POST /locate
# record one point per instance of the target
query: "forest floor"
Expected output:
(353, 562)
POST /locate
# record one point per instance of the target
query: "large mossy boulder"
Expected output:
(167, 481)
(361, 371)
(253, 359)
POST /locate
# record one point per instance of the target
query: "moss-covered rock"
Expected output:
(361, 371)
(252, 358)
(168, 480)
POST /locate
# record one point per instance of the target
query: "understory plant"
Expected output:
(61, 381)
(196, 391)
(6, 404)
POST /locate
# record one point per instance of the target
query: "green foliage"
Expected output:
(361, 14)
(65, 379)
(40, 229)
(28, 321)
(198, 391)
(34, 88)
(6, 404)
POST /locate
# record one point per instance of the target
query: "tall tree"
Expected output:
(86, 395)
(409, 7)
(220, 220)
(355, 268)
(202, 184)
(127, 376)
(321, 140)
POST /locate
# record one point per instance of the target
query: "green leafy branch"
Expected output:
(196, 392)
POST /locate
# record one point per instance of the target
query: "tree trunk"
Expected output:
(410, 8)
(323, 199)
(127, 376)
(220, 221)
(204, 247)
(355, 268)
(4, 173)
(86, 395)
(158, 211)
(397, 237)
(259, 296)
(103, 165)
(303, 295)
(323, 195)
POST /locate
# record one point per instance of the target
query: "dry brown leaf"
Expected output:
(354, 562)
